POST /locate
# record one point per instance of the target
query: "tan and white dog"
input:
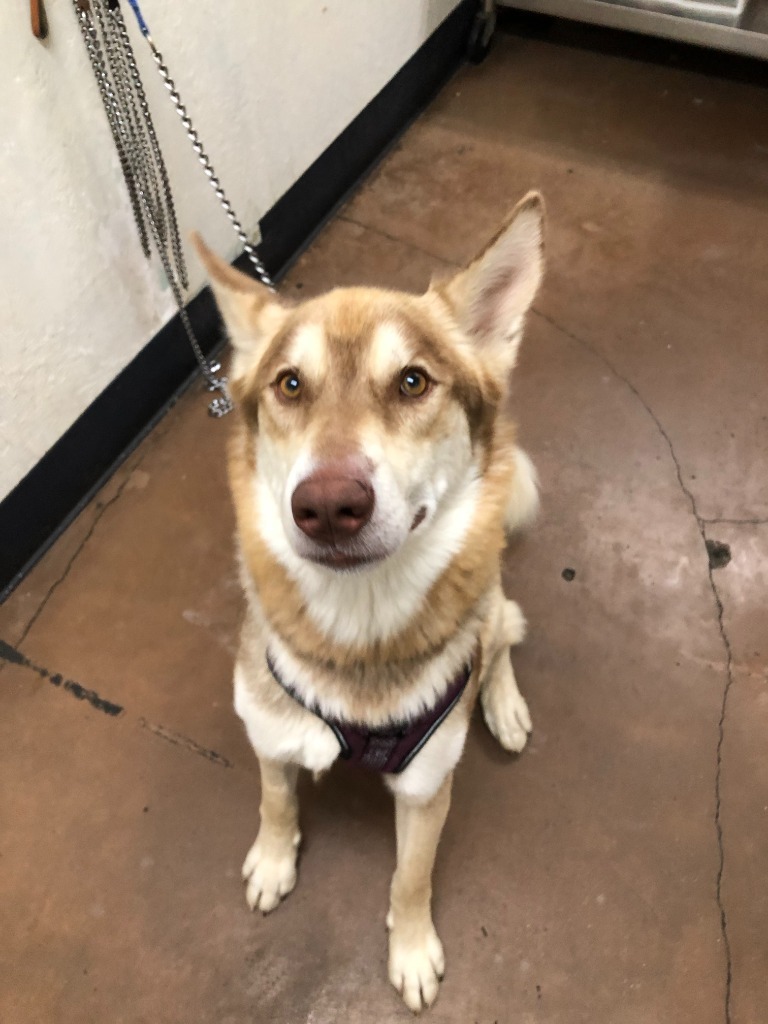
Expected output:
(375, 473)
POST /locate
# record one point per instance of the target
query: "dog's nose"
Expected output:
(331, 506)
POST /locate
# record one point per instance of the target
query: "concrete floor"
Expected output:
(616, 872)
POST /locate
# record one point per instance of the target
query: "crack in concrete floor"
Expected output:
(393, 238)
(153, 435)
(701, 525)
(735, 522)
(75, 555)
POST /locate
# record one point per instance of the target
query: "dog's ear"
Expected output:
(491, 297)
(249, 309)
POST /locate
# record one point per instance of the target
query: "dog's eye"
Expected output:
(288, 384)
(413, 382)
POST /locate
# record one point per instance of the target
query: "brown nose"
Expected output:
(330, 506)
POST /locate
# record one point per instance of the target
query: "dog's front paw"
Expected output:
(504, 708)
(416, 967)
(269, 874)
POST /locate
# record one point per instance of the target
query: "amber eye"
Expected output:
(288, 384)
(413, 382)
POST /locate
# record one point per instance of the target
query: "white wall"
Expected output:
(269, 84)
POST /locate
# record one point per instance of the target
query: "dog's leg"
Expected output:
(270, 867)
(523, 498)
(416, 961)
(504, 708)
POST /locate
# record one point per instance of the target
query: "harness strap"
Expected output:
(389, 749)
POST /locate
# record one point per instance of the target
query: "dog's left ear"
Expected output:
(491, 297)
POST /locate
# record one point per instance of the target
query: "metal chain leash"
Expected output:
(154, 144)
(205, 162)
(113, 62)
(197, 146)
(93, 48)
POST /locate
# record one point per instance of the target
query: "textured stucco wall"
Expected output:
(269, 85)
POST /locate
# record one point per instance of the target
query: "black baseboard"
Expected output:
(49, 497)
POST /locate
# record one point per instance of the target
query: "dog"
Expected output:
(375, 476)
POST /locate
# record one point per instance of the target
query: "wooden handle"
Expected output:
(39, 20)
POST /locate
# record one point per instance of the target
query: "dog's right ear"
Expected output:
(250, 311)
(492, 296)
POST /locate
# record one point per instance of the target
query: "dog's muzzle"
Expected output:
(331, 507)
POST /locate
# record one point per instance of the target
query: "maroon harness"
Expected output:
(391, 748)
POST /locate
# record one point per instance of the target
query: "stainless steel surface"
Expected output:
(723, 12)
(744, 40)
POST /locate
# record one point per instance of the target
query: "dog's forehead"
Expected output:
(359, 331)
(307, 348)
(391, 347)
